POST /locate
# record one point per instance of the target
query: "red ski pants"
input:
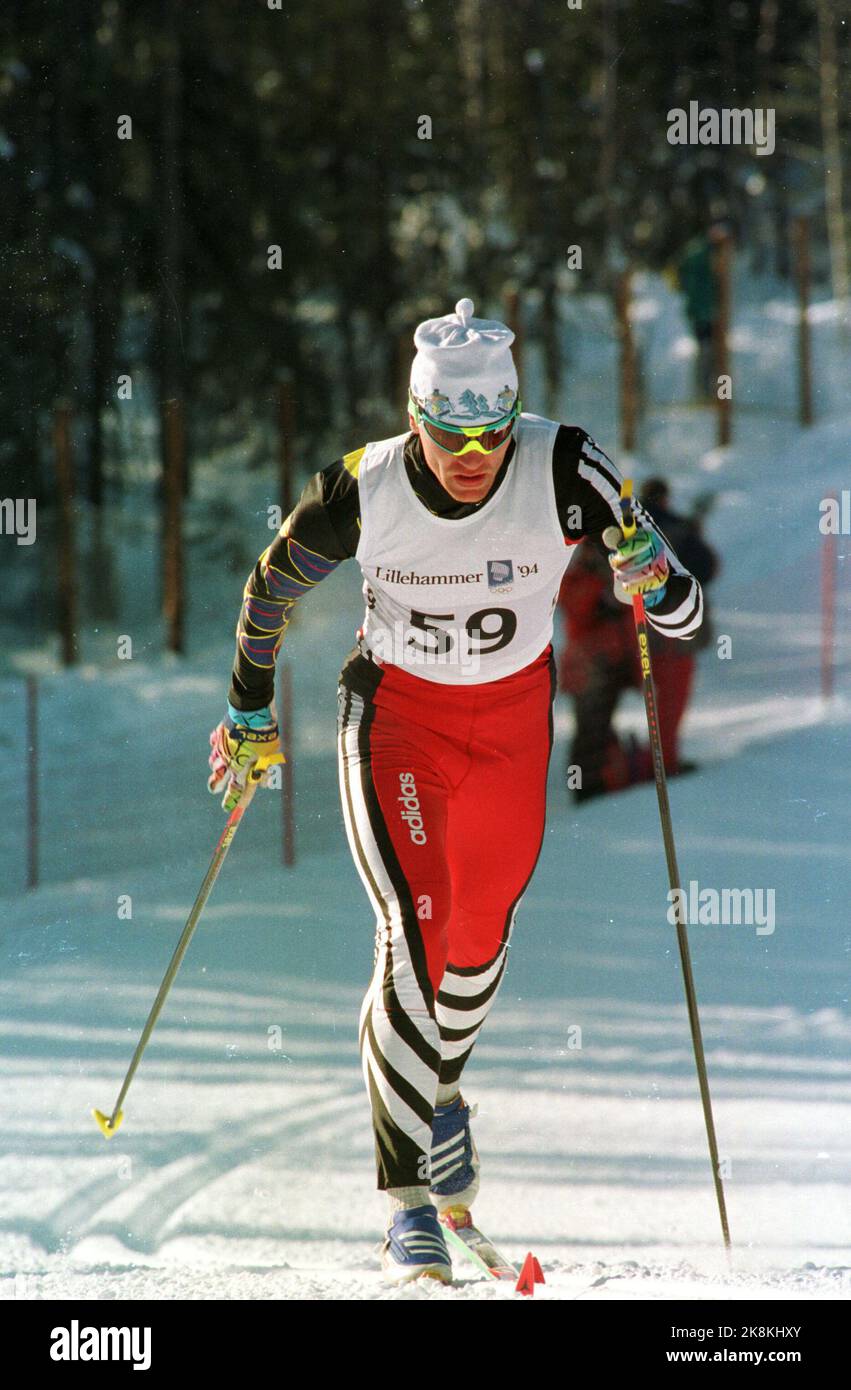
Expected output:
(444, 791)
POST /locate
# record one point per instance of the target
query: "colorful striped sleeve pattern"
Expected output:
(275, 585)
(318, 534)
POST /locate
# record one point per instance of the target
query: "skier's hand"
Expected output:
(640, 565)
(238, 743)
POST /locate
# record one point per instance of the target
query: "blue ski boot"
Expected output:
(454, 1158)
(415, 1245)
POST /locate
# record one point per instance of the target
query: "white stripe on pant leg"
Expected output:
(474, 1017)
(402, 1058)
(450, 1048)
(403, 1117)
(370, 993)
(466, 986)
(395, 1051)
(358, 824)
(457, 1020)
(352, 764)
(378, 906)
(363, 830)
(450, 1051)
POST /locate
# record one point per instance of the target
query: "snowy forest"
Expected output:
(397, 152)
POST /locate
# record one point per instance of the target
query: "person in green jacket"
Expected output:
(697, 280)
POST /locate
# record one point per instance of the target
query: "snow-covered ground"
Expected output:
(244, 1166)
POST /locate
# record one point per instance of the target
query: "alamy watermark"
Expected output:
(835, 514)
(84, 1343)
(436, 641)
(722, 907)
(17, 518)
(751, 126)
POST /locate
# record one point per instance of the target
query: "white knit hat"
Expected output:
(463, 373)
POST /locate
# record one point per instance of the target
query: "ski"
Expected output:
(468, 1240)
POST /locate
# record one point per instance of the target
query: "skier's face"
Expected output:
(467, 478)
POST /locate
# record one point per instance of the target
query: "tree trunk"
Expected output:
(628, 365)
(829, 77)
(721, 332)
(100, 575)
(67, 585)
(609, 141)
(766, 43)
(173, 558)
(171, 298)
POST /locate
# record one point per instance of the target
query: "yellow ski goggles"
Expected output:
(466, 439)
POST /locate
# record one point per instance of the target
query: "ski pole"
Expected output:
(612, 538)
(109, 1124)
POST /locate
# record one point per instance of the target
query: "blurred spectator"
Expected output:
(697, 280)
(600, 660)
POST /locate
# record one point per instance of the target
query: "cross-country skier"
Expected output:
(462, 527)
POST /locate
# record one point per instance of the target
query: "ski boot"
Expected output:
(454, 1157)
(415, 1246)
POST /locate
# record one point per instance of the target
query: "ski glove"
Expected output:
(237, 743)
(640, 566)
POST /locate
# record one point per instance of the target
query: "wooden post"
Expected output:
(802, 280)
(286, 441)
(828, 607)
(287, 785)
(67, 557)
(831, 73)
(627, 372)
(32, 782)
(723, 273)
(173, 571)
(514, 319)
